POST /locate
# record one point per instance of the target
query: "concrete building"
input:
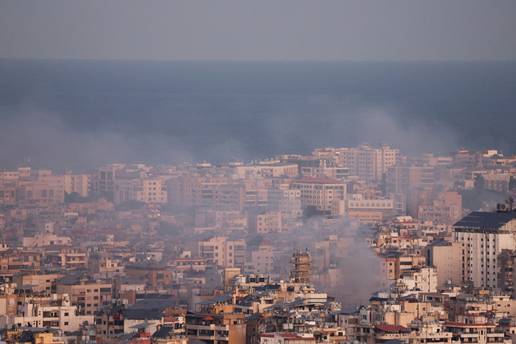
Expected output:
(223, 251)
(446, 257)
(89, 297)
(77, 183)
(369, 210)
(46, 239)
(446, 208)
(286, 338)
(216, 329)
(261, 261)
(420, 279)
(41, 188)
(288, 202)
(218, 194)
(267, 169)
(365, 162)
(59, 313)
(267, 222)
(320, 193)
(153, 190)
(483, 236)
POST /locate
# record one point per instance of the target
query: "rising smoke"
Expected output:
(45, 139)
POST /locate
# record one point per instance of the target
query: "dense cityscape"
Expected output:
(343, 245)
(257, 172)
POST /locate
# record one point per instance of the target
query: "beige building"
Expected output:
(77, 183)
(369, 210)
(445, 209)
(266, 169)
(366, 162)
(42, 188)
(320, 193)
(288, 202)
(89, 297)
(262, 259)
(218, 194)
(38, 283)
(7, 192)
(46, 239)
(58, 314)
(223, 251)
(267, 222)
(73, 258)
(154, 190)
(446, 257)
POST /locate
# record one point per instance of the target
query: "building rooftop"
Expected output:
(487, 221)
(318, 180)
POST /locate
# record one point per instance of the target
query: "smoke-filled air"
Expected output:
(268, 172)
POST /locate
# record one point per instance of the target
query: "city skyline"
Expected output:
(257, 172)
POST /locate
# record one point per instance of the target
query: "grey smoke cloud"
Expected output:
(46, 139)
(357, 270)
(42, 139)
(347, 123)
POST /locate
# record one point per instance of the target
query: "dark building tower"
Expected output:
(301, 267)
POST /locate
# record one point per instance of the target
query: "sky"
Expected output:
(259, 30)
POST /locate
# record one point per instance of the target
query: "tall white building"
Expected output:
(483, 236)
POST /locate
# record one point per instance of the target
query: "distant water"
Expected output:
(165, 111)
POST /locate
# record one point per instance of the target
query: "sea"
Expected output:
(84, 113)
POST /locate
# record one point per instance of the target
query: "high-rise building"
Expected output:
(483, 236)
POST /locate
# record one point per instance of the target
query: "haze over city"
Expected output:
(263, 172)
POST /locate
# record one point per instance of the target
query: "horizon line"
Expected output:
(202, 60)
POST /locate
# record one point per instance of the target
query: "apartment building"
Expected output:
(88, 296)
(366, 162)
(267, 169)
(7, 192)
(267, 222)
(223, 251)
(41, 188)
(446, 257)
(153, 190)
(320, 193)
(219, 194)
(287, 201)
(446, 208)
(369, 210)
(262, 258)
(216, 329)
(56, 313)
(46, 239)
(77, 183)
(483, 236)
